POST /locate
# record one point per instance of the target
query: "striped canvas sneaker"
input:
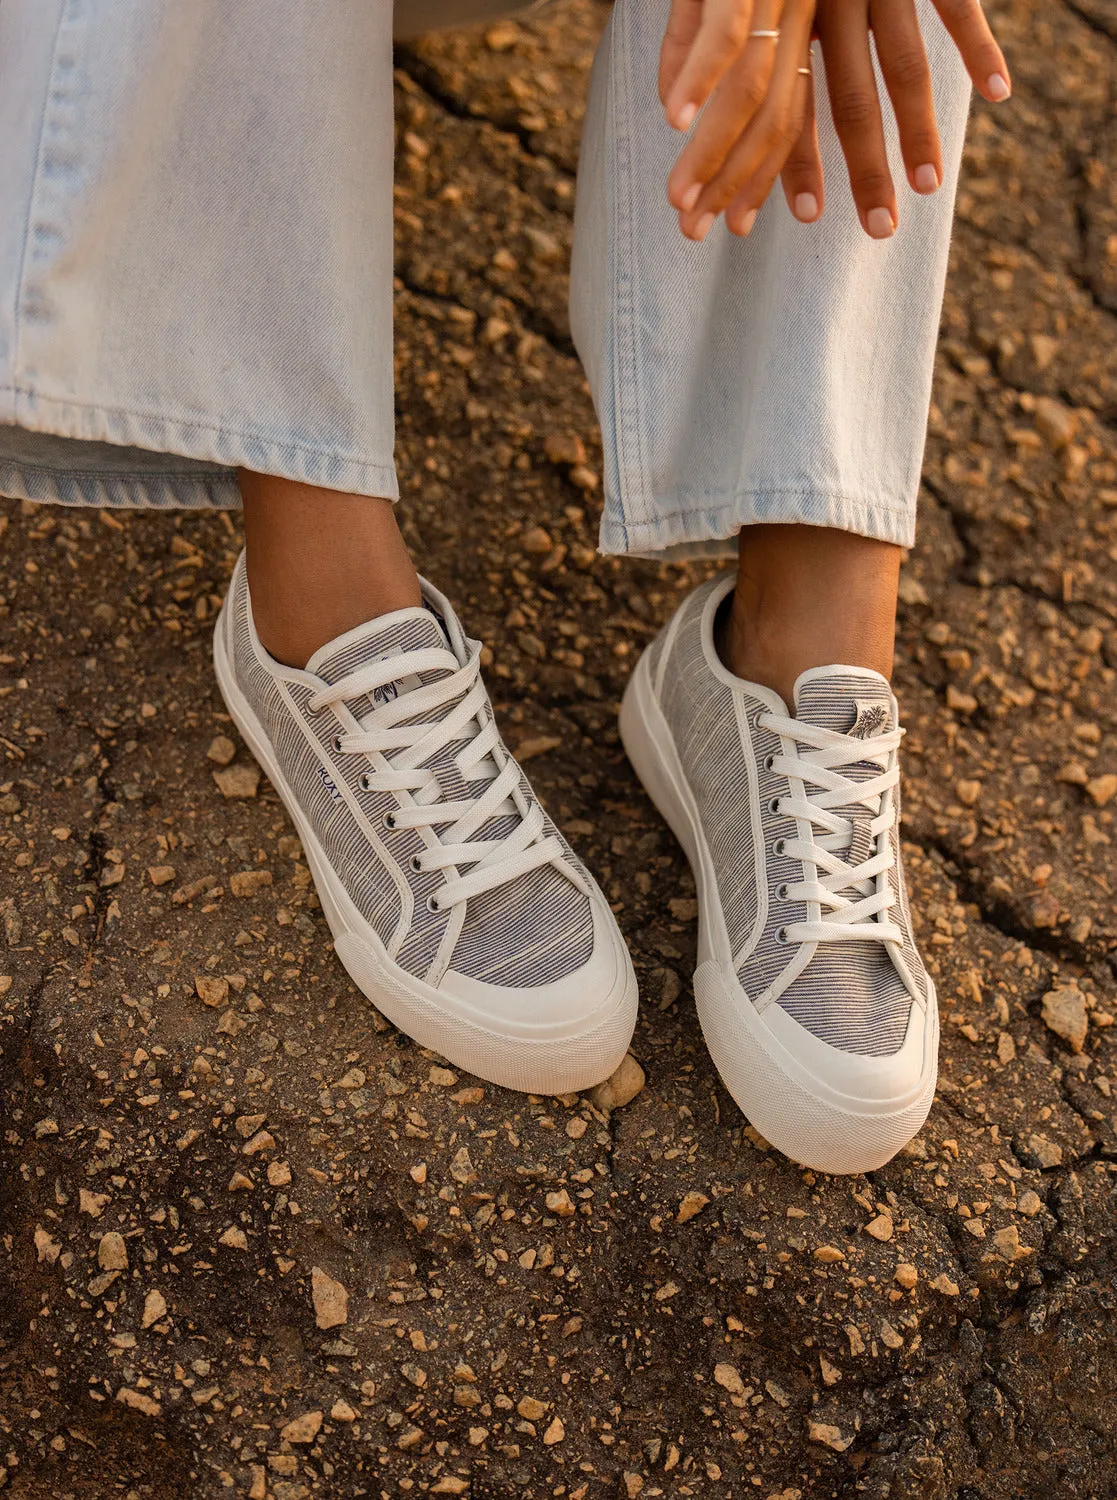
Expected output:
(814, 1002)
(455, 903)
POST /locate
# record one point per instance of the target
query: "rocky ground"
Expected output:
(253, 1241)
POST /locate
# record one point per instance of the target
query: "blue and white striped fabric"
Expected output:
(850, 994)
(528, 932)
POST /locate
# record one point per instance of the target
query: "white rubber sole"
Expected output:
(537, 1059)
(806, 1117)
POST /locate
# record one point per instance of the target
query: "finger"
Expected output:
(771, 134)
(984, 60)
(803, 181)
(903, 62)
(723, 33)
(855, 107)
(741, 211)
(741, 94)
(682, 28)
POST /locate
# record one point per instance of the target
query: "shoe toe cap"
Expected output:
(597, 997)
(863, 1082)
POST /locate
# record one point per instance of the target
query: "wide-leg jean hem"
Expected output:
(130, 458)
(689, 525)
(781, 377)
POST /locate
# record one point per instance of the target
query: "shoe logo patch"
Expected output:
(871, 719)
(328, 784)
(388, 692)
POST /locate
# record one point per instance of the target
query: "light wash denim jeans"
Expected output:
(196, 276)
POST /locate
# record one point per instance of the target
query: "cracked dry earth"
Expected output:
(254, 1242)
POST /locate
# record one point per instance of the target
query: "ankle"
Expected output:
(775, 651)
(809, 597)
(319, 564)
(292, 628)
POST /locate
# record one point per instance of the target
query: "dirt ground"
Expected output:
(254, 1242)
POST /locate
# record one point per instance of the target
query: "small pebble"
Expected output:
(620, 1088)
(238, 781)
(1102, 789)
(112, 1252)
(331, 1300)
(693, 1203)
(221, 750)
(249, 882)
(1064, 1012)
(155, 1308)
(881, 1228)
(302, 1429)
(829, 1435)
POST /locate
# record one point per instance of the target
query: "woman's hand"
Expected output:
(744, 63)
(844, 28)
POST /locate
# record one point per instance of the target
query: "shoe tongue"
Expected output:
(858, 703)
(399, 634)
(396, 634)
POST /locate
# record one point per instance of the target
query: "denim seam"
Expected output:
(33, 195)
(671, 532)
(205, 470)
(626, 380)
(163, 420)
(616, 224)
(831, 497)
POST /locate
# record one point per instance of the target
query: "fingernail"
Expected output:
(744, 226)
(702, 228)
(880, 223)
(806, 207)
(684, 118)
(998, 87)
(926, 178)
(691, 196)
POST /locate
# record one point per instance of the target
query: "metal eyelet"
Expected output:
(781, 935)
(335, 744)
(755, 718)
(778, 847)
(433, 904)
(774, 807)
(781, 891)
(364, 781)
(390, 821)
(769, 762)
(415, 864)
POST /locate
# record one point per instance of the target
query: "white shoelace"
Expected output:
(482, 759)
(853, 899)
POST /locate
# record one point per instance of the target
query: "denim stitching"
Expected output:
(162, 420)
(33, 195)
